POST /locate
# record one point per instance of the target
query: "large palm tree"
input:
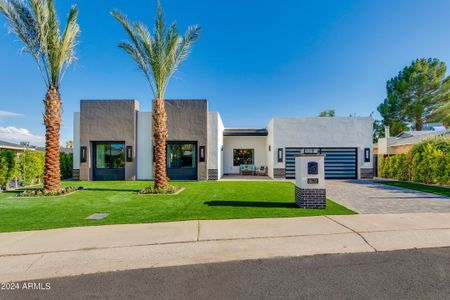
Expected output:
(158, 54)
(36, 24)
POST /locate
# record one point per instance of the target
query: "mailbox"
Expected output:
(310, 189)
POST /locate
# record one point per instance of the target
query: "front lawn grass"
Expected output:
(420, 187)
(199, 201)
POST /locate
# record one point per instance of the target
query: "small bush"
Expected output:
(44, 193)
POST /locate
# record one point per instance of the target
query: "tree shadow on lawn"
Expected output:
(111, 190)
(250, 204)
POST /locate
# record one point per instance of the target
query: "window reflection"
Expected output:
(110, 156)
(181, 156)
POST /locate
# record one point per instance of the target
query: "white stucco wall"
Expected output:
(215, 142)
(354, 132)
(220, 128)
(270, 154)
(258, 143)
(144, 144)
(76, 140)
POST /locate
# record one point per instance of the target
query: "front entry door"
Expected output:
(182, 160)
(109, 161)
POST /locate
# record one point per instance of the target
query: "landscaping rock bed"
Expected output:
(43, 193)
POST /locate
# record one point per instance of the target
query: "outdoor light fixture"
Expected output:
(83, 154)
(221, 148)
(270, 148)
(367, 155)
(129, 153)
(202, 153)
(280, 155)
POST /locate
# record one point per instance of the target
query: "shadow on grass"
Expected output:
(250, 204)
(111, 190)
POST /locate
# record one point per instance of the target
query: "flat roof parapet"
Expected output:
(245, 132)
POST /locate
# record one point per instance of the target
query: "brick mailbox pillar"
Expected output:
(310, 181)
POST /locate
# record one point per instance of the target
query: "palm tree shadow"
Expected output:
(250, 204)
(111, 190)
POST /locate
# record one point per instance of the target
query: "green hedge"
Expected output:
(28, 167)
(426, 162)
(66, 165)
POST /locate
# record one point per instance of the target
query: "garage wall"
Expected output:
(243, 142)
(354, 132)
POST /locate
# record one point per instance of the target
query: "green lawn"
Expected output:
(420, 187)
(199, 200)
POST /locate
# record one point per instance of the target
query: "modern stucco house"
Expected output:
(113, 141)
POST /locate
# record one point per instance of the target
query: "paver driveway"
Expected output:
(370, 197)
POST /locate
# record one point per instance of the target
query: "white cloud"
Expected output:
(8, 114)
(17, 135)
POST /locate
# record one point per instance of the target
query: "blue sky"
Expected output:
(255, 59)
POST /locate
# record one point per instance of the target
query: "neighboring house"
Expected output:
(17, 148)
(403, 142)
(61, 149)
(113, 141)
(434, 127)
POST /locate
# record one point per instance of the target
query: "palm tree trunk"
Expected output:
(160, 137)
(419, 123)
(52, 121)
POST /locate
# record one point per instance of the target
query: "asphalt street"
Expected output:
(411, 274)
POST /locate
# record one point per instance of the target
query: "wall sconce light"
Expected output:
(129, 153)
(83, 154)
(280, 155)
(367, 155)
(270, 148)
(221, 148)
(202, 154)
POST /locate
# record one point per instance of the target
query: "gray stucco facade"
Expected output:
(107, 121)
(187, 121)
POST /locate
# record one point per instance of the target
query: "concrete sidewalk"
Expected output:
(74, 251)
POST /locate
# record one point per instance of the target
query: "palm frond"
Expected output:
(68, 42)
(157, 54)
(36, 24)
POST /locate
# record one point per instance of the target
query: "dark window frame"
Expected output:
(237, 163)
(195, 157)
(110, 143)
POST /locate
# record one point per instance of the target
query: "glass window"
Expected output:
(243, 157)
(180, 156)
(110, 156)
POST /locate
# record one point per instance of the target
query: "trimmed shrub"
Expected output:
(426, 162)
(31, 167)
(3, 171)
(66, 165)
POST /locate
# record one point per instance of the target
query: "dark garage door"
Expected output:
(340, 163)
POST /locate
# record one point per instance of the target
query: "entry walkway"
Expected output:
(83, 250)
(370, 197)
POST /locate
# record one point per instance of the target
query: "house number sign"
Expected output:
(313, 180)
(313, 168)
